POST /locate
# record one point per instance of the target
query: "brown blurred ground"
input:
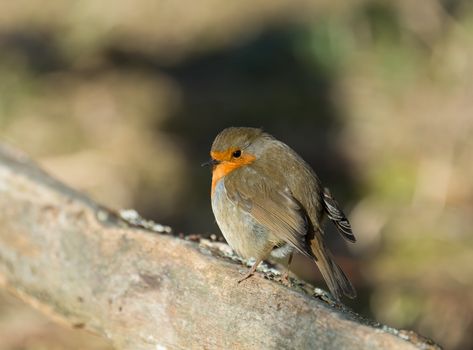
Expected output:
(122, 100)
(21, 327)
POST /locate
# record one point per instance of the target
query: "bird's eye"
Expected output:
(236, 154)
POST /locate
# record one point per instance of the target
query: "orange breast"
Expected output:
(226, 167)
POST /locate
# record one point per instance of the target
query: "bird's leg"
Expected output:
(285, 275)
(251, 271)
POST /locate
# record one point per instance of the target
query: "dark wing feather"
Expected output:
(274, 208)
(335, 214)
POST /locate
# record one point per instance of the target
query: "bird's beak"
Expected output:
(211, 162)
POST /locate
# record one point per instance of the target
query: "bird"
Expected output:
(268, 202)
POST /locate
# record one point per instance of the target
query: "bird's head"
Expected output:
(233, 148)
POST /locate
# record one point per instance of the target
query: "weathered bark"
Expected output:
(84, 265)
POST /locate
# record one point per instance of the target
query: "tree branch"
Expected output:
(83, 264)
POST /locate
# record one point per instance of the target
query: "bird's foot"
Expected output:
(251, 271)
(285, 279)
(246, 276)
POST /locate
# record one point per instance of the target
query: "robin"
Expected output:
(268, 201)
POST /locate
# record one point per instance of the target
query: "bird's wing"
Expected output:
(273, 207)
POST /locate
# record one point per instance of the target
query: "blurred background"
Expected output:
(122, 100)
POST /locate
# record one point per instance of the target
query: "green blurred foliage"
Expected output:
(122, 100)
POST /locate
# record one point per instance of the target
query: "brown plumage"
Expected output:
(268, 201)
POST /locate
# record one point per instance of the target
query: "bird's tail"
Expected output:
(333, 275)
